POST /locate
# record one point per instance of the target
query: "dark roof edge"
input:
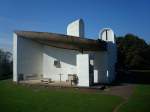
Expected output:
(64, 41)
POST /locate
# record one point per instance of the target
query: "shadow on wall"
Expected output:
(64, 55)
(133, 76)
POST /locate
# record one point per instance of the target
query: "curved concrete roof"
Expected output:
(64, 41)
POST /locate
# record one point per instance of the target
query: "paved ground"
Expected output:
(123, 90)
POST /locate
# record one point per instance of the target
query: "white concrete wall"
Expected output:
(27, 56)
(15, 77)
(83, 69)
(67, 60)
(72, 62)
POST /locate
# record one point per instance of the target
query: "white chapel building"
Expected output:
(66, 58)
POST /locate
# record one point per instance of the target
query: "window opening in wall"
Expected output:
(57, 63)
(106, 35)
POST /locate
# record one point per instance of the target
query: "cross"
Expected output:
(60, 78)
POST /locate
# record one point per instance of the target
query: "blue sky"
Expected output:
(123, 16)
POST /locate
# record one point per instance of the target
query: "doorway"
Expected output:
(91, 69)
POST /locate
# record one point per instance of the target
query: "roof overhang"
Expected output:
(64, 41)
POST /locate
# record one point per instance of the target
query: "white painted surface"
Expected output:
(72, 62)
(76, 28)
(67, 60)
(27, 57)
(95, 76)
(15, 76)
(109, 37)
(83, 69)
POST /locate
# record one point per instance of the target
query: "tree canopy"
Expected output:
(133, 52)
(5, 64)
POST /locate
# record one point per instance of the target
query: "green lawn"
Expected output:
(18, 98)
(139, 101)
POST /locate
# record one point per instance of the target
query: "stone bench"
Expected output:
(46, 80)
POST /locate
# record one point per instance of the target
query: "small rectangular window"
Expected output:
(57, 63)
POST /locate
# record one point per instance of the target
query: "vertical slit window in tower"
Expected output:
(106, 35)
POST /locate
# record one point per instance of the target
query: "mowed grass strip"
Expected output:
(18, 98)
(139, 101)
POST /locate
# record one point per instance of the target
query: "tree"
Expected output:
(5, 64)
(133, 52)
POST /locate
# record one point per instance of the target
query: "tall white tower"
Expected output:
(107, 35)
(76, 28)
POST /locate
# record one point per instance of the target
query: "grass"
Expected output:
(139, 101)
(18, 98)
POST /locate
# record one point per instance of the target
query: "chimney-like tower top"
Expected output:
(76, 28)
(107, 35)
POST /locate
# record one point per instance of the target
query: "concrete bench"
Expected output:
(46, 80)
(31, 76)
